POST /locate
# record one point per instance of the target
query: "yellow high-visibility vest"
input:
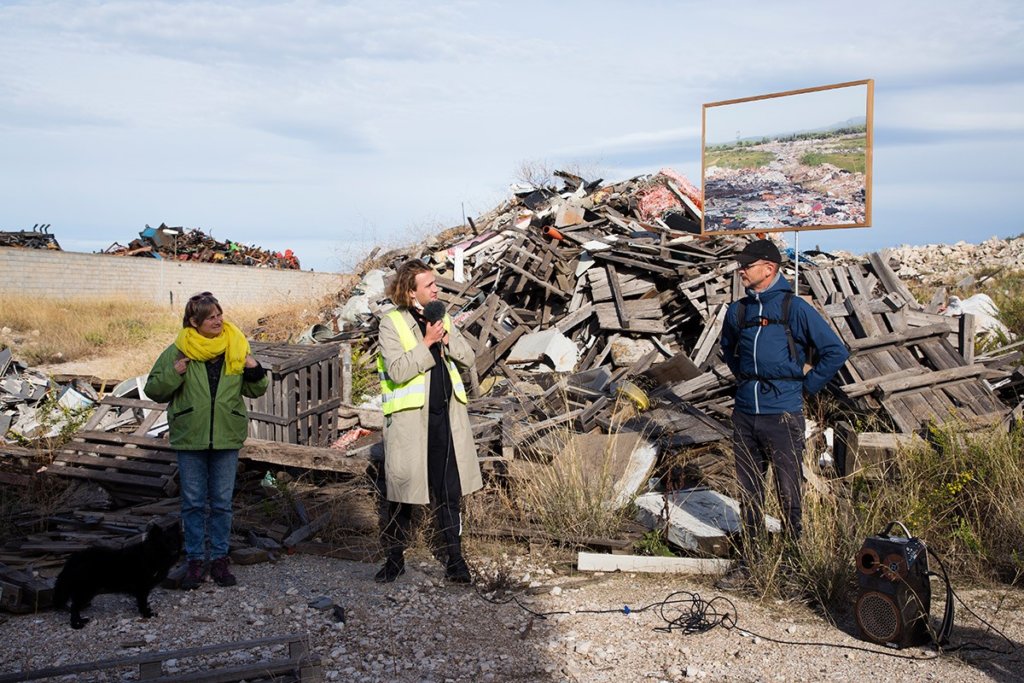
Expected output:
(412, 394)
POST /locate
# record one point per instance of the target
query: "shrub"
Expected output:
(365, 382)
(570, 493)
(961, 492)
(653, 544)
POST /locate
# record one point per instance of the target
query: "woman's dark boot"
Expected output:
(394, 566)
(456, 570)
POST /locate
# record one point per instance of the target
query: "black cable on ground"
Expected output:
(689, 613)
(692, 614)
(971, 645)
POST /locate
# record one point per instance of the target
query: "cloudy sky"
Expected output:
(326, 127)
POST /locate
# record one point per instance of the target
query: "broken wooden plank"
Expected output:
(864, 387)
(308, 457)
(890, 281)
(298, 665)
(620, 304)
(634, 263)
(912, 334)
(486, 359)
(601, 562)
(537, 281)
(894, 386)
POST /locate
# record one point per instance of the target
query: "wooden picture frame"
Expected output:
(795, 160)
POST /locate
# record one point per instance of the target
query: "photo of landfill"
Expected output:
(788, 161)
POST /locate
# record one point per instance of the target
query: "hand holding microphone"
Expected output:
(433, 313)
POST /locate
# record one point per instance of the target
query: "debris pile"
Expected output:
(579, 300)
(957, 265)
(32, 406)
(595, 314)
(39, 237)
(192, 244)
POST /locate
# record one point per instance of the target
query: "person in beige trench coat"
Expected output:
(429, 453)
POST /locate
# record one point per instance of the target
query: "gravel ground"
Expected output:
(422, 629)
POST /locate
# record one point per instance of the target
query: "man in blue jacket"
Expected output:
(768, 338)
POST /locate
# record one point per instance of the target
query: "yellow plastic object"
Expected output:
(635, 394)
(486, 384)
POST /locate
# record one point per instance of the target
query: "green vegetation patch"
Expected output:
(858, 143)
(854, 163)
(738, 158)
(1007, 292)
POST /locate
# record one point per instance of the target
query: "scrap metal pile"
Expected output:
(192, 244)
(39, 237)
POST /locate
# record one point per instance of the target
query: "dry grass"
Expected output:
(118, 338)
(53, 331)
(962, 494)
(568, 490)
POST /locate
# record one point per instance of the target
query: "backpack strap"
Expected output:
(787, 300)
(741, 314)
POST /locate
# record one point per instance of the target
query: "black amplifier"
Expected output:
(894, 589)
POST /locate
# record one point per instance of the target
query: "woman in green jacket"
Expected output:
(203, 376)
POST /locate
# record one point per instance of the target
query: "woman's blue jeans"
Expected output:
(207, 485)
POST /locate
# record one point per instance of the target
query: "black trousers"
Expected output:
(760, 441)
(445, 495)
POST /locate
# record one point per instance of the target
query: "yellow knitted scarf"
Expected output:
(231, 342)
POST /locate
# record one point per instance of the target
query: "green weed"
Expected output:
(739, 158)
(365, 382)
(854, 163)
(653, 543)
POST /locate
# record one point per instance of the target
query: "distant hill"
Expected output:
(851, 122)
(848, 123)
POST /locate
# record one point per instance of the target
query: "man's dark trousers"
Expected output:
(760, 440)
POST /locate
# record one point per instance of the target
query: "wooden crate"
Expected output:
(301, 403)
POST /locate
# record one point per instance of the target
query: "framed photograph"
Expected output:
(797, 160)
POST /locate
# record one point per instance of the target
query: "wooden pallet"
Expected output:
(914, 374)
(301, 403)
(132, 466)
(297, 664)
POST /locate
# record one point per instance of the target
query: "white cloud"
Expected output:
(311, 120)
(981, 107)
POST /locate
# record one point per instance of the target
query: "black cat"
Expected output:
(135, 569)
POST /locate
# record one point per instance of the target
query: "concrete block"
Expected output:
(698, 519)
(551, 344)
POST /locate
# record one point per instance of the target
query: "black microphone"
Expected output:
(433, 311)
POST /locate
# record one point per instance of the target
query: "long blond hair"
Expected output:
(404, 282)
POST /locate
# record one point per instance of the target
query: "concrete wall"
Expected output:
(66, 275)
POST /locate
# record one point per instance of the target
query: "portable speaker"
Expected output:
(894, 595)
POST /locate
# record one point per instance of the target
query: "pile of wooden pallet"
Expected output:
(592, 315)
(642, 301)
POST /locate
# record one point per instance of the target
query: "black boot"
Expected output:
(457, 571)
(449, 522)
(394, 566)
(394, 537)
